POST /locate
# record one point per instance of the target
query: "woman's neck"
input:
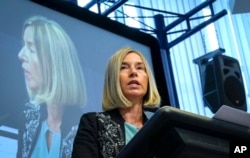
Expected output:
(54, 118)
(133, 115)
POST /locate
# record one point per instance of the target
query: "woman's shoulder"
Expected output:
(90, 120)
(100, 120)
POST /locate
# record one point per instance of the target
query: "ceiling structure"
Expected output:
(111, 6)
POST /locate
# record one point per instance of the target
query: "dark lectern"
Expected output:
(174, 133)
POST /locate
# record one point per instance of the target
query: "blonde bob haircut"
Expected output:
(112, 93)
(62, 76)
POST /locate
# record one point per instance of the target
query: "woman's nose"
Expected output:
(133, 72)
(21, 54)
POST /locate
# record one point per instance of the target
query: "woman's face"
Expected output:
(133, 77)
(29, 58)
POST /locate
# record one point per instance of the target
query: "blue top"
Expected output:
(130, 131)
(41, 148)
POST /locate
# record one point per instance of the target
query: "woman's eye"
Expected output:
(31, 47)
(124, 67)
(28, 49)
(31, 50)
(141, 68)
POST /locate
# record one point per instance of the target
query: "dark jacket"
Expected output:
(100, 135)
(30, 126)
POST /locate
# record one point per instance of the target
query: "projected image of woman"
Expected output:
(56, 89)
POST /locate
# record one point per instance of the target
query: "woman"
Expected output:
(56, 90)
(129, 86)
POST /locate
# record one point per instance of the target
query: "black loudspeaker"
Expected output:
(223, 84)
